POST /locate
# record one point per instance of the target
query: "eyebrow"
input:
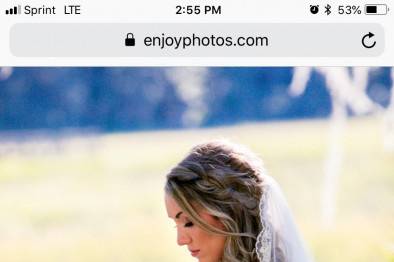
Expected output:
(178, 215)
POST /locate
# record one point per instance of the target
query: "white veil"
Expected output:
(279, 240)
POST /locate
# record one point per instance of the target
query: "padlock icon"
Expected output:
(130, 40)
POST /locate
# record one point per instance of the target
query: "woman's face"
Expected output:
(205, 246)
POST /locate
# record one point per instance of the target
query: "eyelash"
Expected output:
(188, 224)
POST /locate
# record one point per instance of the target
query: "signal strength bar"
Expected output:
(16, 10)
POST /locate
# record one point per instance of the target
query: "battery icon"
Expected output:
(378, 9)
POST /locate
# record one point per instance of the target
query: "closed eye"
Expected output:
(189, 224)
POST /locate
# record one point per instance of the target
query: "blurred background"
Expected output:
(84, 153)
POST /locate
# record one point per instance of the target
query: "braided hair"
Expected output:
(225, 180)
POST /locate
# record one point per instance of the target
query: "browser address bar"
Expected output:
(197, 40)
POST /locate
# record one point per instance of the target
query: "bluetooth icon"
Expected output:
(327, 9)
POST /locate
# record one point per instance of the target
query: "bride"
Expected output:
(227, 209)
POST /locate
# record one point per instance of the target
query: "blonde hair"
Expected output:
(224, 179)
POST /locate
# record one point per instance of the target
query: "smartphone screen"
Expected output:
(100, 100)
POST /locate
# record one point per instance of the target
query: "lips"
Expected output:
(195, 252)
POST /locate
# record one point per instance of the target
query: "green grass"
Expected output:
(100, 198)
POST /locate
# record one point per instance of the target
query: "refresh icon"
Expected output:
(366, 40)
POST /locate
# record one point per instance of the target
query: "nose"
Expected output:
(182, 237)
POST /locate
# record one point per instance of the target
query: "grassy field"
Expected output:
(100, 198)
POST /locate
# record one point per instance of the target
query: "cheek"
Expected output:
(216, 244)
(214, 240)
(212, 245)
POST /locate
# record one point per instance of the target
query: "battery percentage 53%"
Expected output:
(349, 10)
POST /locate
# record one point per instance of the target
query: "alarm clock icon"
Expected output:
(314, 9)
